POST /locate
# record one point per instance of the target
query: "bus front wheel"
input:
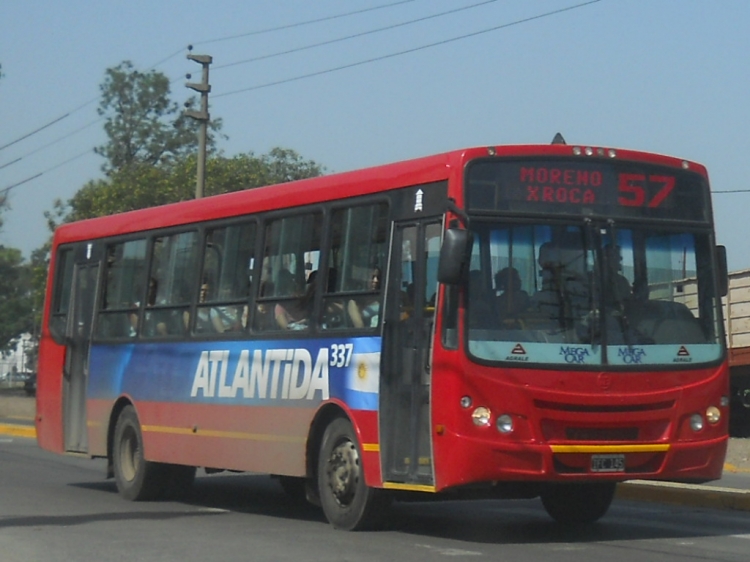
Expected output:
(348, 503)
(578, 504)
(136, 478)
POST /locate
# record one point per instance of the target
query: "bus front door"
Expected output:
(406, 445)
(75, 376)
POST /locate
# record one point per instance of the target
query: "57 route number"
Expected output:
(341, 354)
(634, 189)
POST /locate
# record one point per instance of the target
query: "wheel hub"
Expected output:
(344, 472)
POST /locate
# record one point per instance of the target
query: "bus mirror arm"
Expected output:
(453, 208)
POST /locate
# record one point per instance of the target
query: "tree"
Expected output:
(15, 298)
(140, 186)
(143, 125)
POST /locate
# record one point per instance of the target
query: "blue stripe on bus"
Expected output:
(296, 373)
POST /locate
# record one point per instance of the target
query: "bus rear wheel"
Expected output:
(348, 503)
(137, 479)
(578, 504)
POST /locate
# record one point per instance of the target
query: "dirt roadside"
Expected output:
(17, 405)
(23, 408)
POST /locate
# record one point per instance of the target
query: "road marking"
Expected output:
(449, 551)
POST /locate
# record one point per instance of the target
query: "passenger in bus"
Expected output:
(563, 295)
(227, 318)
(365, 312)
(291, 314)
(619, 289)
(264, 317)
(512, 299)
(202, 318)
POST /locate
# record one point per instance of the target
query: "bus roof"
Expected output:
(365, 181)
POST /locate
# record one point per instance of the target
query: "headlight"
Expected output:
(713, 415)
(504, 423)
(696, 422)
(481, 416)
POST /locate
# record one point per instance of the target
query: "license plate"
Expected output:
(607, 463)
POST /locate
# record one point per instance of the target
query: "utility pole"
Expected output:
(203, 87)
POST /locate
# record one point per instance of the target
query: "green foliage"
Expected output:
(141, 186)
(15, 298)
(143, 125)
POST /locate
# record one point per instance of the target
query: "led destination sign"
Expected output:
(589, 188)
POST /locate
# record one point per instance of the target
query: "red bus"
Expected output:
(506, 321)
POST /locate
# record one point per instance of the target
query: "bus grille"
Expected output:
(602, 433)
(603, 408)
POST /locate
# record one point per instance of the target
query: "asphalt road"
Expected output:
(55, 508)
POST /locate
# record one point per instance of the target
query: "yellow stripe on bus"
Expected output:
(409, 487)
(223, 434)
(371, 447)
(660, 448)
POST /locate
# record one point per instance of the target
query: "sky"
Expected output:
(668, 76)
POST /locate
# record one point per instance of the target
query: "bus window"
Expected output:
(286, 298)
(63, 284)
(226, 280)
(174, 260)
(125, 277)
(356, 267)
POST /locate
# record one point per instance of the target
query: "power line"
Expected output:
(407, 51)
(299, 24)
(59, 139)
(7, 189)
(174, 54)
(35, 131)
(354, 36)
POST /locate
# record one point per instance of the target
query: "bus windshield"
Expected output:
(591, 293)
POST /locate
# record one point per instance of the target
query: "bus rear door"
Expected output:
(78, 344)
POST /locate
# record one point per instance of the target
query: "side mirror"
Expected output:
(723, 273)
(454, 256)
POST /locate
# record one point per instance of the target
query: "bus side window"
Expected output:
(292, 245)
(226, 279)
(357, 256)
(124, 286)
(174, 260)
(61, 300)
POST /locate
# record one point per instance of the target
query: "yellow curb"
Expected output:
(685, 494)
(18, 430)
(728, 467)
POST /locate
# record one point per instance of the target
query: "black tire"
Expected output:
(578, 504)
(347, 502)
(136, 478)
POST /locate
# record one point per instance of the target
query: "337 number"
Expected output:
(341, 354)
